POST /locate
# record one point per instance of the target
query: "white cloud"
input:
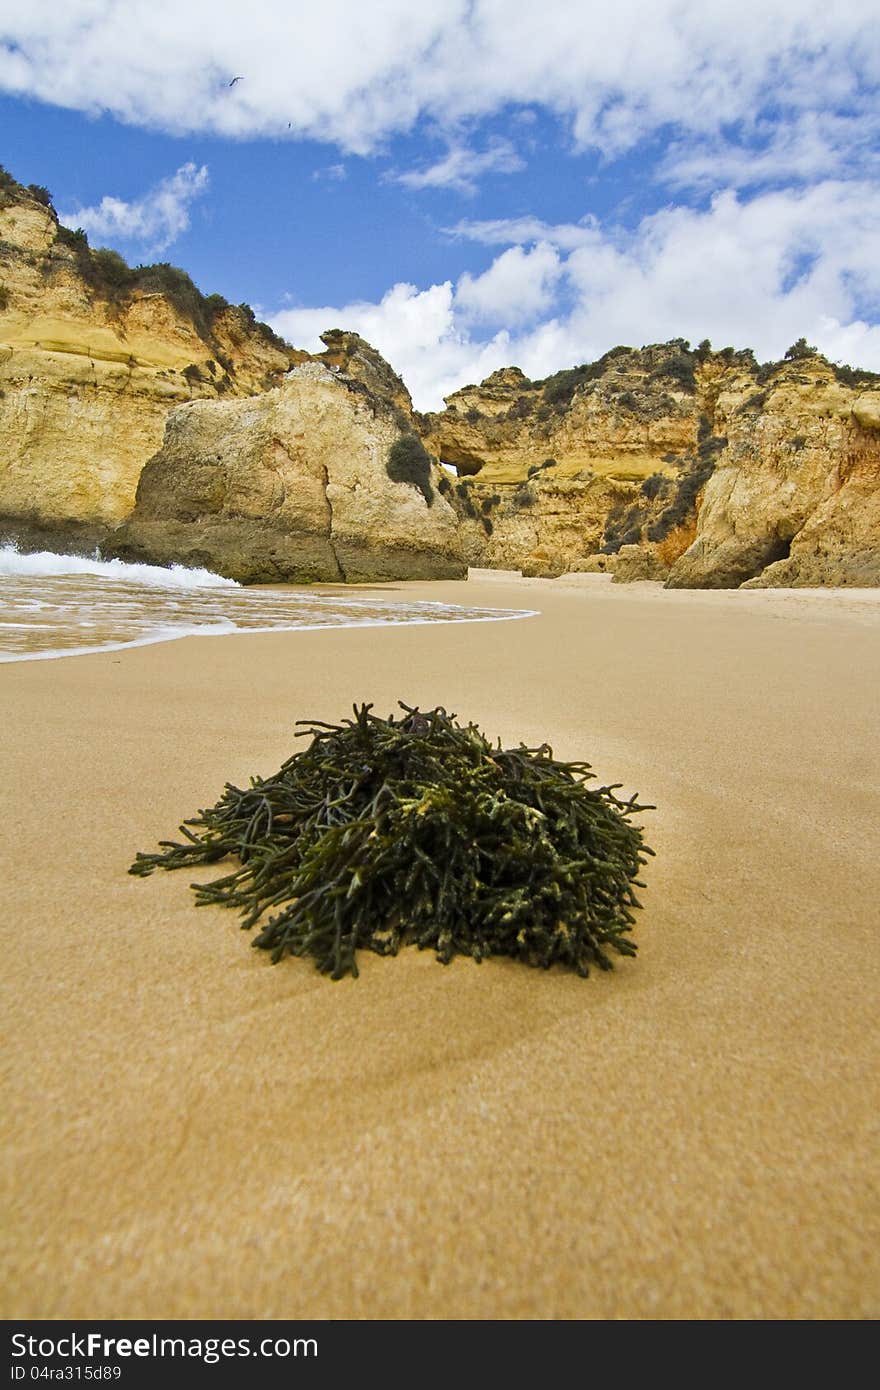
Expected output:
(334, 173)
(727, 272)
(857, 342)
(460, 167)
(518, 231)
(735, 97)
(156, 219)
(416, 331)
(355, 74)
(517, 287)
(757, 272)
(814, 146)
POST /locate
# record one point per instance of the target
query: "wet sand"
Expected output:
(192, 1132)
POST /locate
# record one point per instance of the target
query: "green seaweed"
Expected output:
(415, 830)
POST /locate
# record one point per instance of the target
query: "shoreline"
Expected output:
(196, 1133)
(500, 617)
(859, 603)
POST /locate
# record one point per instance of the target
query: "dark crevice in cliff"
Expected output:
(279, 448)
(330, 540)
(777, 549)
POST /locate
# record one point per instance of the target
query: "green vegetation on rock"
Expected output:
(415, 830)
(109, 276)
(800, 349)
(409, 462)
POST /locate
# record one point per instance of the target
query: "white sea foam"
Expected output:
(44, 563)
(63, 605)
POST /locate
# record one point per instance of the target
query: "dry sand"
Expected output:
(192, 1132)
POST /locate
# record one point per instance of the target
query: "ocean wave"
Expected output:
(44, 563)
(67, 605)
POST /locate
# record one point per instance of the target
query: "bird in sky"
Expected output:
(234, 80)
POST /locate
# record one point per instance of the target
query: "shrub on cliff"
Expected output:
(561, 386)
(684, 492)
(174, 283)
(409, 462)
(109, 275)
(854, 376)
(521, 408)
(764, 371)
(73, 237)
(415, 830)
(257, 326)
(112, 270)
(799, 350)
(215, 304)
(559, 389)
(653, 486)
(678, 368)
(623, 527)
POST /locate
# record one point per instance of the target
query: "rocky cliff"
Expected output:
(794, 499)
(316, 479)
(695, 467)
(92, 356)
(553, 470)
(705, 469)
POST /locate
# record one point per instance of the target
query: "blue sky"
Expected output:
(473, 184)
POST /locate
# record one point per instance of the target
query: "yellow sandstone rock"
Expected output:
(87, 375)
(291, 484)
(724, 471)
(696, 466)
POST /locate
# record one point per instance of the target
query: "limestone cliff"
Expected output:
(720, 470)
(613, 418)
(92, 356)
(795, 497)
(701, 468)
(296, 484)
(367, 371)
(589, 459)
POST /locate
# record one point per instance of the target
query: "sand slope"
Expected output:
(195, 1133)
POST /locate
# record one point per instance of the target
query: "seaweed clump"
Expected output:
(415, 830)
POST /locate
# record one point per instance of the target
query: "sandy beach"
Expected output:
(193, 1132)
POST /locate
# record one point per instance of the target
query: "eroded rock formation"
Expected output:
(720, 470)
(92, 356)
(795, 497)
(700, 468)
(292, 484)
